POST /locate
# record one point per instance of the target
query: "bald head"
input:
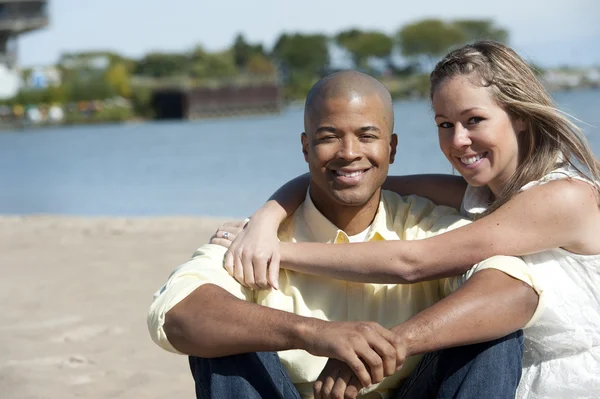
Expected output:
(348, 85)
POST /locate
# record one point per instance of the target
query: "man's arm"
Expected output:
(490, 305)
(203, 311)
(211, 322)
(496, 300)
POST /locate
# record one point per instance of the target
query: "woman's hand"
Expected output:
(253, 255)
(227, 233)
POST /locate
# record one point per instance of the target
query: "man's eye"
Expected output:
(327, 138)
(367, 137)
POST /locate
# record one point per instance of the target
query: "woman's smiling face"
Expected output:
(477, 135)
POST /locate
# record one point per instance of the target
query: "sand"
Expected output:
(74, 294)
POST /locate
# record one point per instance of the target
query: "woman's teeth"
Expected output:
(471, 160)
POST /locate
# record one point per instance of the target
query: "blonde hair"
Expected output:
(551, 139)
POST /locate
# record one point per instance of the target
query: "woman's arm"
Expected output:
(285, 200)
(558, 214)
(253, 256)
(442, 189)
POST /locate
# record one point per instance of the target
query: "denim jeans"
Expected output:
(486, 370)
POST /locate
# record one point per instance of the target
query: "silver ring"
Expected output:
(226, 235)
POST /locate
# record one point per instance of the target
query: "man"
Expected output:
(372, 334)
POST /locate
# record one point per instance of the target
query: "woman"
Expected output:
(532, 188)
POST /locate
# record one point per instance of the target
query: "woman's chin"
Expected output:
(475, 181)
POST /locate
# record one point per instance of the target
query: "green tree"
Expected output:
(117, 77)
(205, 65)
(162, 65)
(429, 39)
(243, 51)
(365, 44)
(259, 64)
(57, 94)
(308, 54)
(479, 29)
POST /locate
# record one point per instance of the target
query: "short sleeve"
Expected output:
(510, 265)
(205, 267)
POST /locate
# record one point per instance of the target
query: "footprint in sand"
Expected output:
(85, 333)
(51, 323)
(72, 361)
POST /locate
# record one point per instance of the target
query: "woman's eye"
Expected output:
(475, 120)
(445, 125)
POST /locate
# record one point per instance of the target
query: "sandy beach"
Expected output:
(75, 293)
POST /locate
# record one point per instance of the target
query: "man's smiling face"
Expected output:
(348, 145)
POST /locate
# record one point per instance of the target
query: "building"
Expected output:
(226, 100)
(16, 18)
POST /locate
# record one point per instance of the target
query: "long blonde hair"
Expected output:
(550, 135)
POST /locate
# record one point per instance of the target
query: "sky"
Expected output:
(550, 33)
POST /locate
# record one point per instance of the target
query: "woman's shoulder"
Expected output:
(566, 172)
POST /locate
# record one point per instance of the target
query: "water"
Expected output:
(216, 167)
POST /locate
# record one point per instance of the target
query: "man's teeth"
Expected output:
(471, 160)
(349, 174)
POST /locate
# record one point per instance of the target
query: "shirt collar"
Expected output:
(324, 231)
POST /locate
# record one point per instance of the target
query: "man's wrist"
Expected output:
(305, 332)
(408, 337)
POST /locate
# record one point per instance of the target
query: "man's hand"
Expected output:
(371, 351)
(337, 380)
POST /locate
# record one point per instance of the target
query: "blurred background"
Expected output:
(131, 129)
(147, 108)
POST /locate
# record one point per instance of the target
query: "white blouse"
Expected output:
(562, 348)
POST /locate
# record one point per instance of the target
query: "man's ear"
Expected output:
(304, 140)
(393, 145)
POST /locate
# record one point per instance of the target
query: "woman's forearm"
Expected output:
(383, 262)
(372, 262)
(287, 198)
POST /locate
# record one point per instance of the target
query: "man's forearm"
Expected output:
(211, 322)
(488, 306)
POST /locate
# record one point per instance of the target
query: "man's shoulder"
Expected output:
(420, 215)
(210, 250)
(415, 204)
(288, 227)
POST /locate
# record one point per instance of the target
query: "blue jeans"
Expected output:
(487, 370)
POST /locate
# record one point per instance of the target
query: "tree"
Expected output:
(117, 76)
(365, 44)
(308, 54)
(243, 51)
(474, 29)
(259, 64)
(429, 39)
(161, 65)
(212, 65)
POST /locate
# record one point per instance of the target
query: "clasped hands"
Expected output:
(360, 354)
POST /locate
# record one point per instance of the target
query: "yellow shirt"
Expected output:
(398, 218)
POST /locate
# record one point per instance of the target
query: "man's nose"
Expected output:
(349, 149)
